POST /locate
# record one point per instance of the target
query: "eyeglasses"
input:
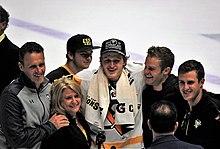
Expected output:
(185, 120)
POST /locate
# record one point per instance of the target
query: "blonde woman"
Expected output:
(66, 100)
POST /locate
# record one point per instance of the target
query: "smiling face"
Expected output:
(70, 101)
(34, 67)
(112, 64)
(155, 76)
(190, 87)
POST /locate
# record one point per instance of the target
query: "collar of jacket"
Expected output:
(27, 82)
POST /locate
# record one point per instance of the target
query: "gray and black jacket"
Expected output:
(24, 114)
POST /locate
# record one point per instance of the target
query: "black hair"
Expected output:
(163, 116)
(29, 47)
(192, 65)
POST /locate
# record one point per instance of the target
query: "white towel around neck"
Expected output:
(98, 93)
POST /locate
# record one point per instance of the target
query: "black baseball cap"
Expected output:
(80, 41)
(113, 45)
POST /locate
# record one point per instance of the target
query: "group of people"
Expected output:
(185, 91)
(120, 105)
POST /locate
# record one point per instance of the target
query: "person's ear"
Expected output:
(167, 70)
(176, 126)
(125, 61)
(149, 125)
(202, 82)
(70, 55)
(20, 66)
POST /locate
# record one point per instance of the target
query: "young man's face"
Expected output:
(113, 64)
(34, 67)
(189, 86)
(83, 58)
(152, 71)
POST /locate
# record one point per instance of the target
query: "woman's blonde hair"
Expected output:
(57, 88)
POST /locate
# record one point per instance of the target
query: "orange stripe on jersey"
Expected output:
(112, 121)
(119, 145)
(78, 81)
(69, 70)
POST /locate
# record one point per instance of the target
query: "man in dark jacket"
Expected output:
(160, 85)
(201, 123)
(163, 123)
(9, 53)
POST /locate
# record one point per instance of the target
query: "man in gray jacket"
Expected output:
(25, 103)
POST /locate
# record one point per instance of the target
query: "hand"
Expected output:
(59, 121)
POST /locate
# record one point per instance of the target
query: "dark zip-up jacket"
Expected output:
(24, 114)
(170, 92)
(70, 137)
(9, 62)
(202, 127)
